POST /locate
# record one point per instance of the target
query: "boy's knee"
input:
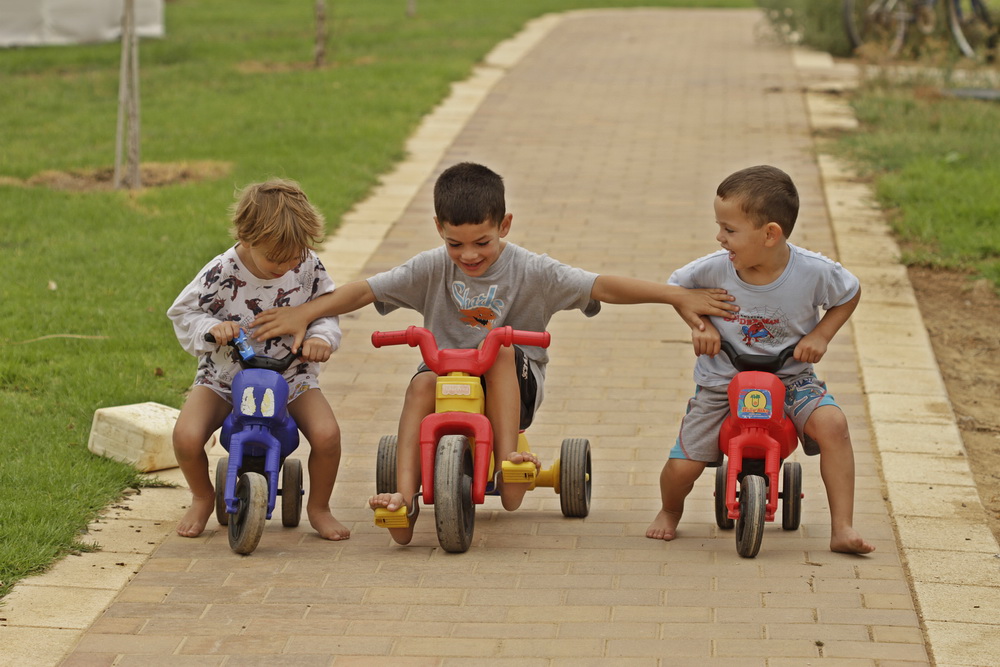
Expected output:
(828, 427)
(325, 437)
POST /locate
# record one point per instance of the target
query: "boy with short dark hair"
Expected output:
(780, 288)
(474, 282)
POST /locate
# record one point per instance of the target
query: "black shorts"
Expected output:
(525, 381)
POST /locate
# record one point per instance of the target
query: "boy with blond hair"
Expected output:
(272, 264)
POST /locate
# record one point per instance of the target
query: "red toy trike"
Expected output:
(756, 437)
(456, 442)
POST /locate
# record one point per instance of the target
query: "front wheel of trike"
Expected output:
(454, 511)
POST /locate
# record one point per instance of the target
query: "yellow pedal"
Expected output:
(518, 473)
(392, 519)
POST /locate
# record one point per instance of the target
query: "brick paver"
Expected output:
(611, 135)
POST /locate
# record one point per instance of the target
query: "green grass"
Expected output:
(933, 160)
(931, 157)
(231, 83)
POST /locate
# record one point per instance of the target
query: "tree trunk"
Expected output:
(320, 56)
(127, 131)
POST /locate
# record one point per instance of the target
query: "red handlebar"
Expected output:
(474, 362)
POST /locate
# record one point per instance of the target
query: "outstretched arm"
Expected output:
(295, 320)
(813, 345)
(689, 303)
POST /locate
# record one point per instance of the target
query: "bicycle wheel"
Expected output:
(750, 525)
(876, 28)
(454, 511)
(972, 28)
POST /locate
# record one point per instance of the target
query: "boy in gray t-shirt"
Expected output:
(780, 288)
(474, 282)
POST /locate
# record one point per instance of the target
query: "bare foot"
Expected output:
(521, 457)
(326, 525)
(849, 541)
(194, 520)
(512, 494)
(392, 502)
(664, 526)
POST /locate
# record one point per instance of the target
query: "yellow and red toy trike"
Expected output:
(456, 442)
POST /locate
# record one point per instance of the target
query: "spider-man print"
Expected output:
(753, 332)
(225, 291)
(233, 283)
(282, 298)
(211, 276)
(206, 299)
(254, 306)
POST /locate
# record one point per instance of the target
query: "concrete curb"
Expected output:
(949, 551)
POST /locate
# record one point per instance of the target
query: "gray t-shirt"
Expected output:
(521, 290)
(772, 316)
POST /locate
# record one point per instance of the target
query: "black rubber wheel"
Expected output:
(972, 28)
(221, 470)
(385, 465)
(722, 519)
(575, 477)
(876, 28)
(454, 511)
(291, 492)
(750, 525)
(791, 495)
(247, 525)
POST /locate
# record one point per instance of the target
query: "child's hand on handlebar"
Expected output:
(316, 349)
(223, 332)
(279, 322)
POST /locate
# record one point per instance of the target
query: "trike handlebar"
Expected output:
(758, 362)
(249, 359)
(474, 361)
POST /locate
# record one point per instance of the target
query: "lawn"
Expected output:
(88, 275)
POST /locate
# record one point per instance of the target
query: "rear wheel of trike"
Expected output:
(721, 511)
(291, 492)
(791, 495)
(385, 465)
(575, 477)
(221, 470)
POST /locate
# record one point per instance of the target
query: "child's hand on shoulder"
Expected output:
(693, 303)
(811, 348)
(280, 322)
(316, 349)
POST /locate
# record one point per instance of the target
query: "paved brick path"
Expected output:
(612, 135)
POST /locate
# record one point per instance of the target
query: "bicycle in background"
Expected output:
(880, 28)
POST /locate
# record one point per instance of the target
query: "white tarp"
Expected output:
(43, 22)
